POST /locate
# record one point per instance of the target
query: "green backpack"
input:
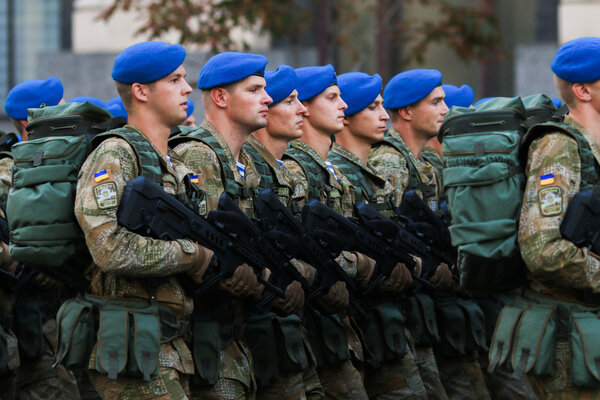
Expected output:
(44, 231)
(484, 184)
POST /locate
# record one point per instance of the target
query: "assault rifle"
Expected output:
(339, 233)
(279, 222)
(581, 224)
(148, 210)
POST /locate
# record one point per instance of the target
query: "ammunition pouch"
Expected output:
(277, 346)
(128, 334)
(491, 307)
(384, 334)
(327, 338)
(585, 348)
(420, 316)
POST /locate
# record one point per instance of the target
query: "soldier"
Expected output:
(415, 99)
(365, 124)
(130, 271)
(190, 120)
(36, 377)
(562, 160)
(235, 104)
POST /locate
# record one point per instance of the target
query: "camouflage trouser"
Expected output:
(236, 379)
(342, 383)
(169, 384)
(504, 386)
(312, 383)
(462, 378)
(558, 387)
(39, 380)
(429, 373)
(399, 380)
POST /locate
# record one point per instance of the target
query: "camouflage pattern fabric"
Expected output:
(430, 375)
(123, 260)
(556, 266)
(342, 383)
(504, 386)
(6, 164)
(236, 377)
(462, 378)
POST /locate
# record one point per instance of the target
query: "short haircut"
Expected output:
(565, 90)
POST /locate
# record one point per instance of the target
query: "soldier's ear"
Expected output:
(405, 113)
(140, 92)
(219, 96)
(582, 91)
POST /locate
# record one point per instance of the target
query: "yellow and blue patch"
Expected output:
(547, 179)
(193, 178)
(100, 176)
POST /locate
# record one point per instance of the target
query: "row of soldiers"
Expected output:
(274, 129)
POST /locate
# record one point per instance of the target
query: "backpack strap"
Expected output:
(590, 170)
(149, 162)
(317, 176)
(234, 189)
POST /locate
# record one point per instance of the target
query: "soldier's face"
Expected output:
(169, 97)
(248, 103)
(428, 114)
(286, 118)
(326, 111)
(369, 124)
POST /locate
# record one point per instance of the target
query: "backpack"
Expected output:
(484, 183)
(44, 231)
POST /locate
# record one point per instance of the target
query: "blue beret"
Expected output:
(116, 108)
(481, 101)
(147, 61)
(93, 100)
(458, 96)
(190, 107)
(32, 94)
(410, 86)
(358, 90)
(578, 61)
(314, 80)
(230, 67)
(280, 83)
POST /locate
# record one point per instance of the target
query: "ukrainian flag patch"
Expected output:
(547, 179)
(193, 178)
(100, 176)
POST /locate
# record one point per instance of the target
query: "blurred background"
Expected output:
(498, 47)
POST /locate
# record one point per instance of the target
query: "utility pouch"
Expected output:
(328, 340)
(475, 329)
(128, 340)
(585, 349)
(76, 333)
(261, 339)
(491, 307)
(292, 355)
(206, 346)
(503, 336)
(420, 312)
(452, 323)
(28, 325)
(384, 334)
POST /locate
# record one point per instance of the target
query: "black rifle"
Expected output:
(279, 222)
(415, 216)
(404, 240)
(148, 210)
(277, 254)
(340, 233)
(581, 224)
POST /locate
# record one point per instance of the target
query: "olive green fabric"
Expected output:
(585, 349)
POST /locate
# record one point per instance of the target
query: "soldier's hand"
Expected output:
(336, 300)
(364, 269)
(442, 277)
(44, 282)
(242, 283)
(294, 299)
(418, 267)
(202, 260)
(398, 280)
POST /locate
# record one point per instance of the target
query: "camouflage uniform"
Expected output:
(36, 378)
(306, 384)
(400, 378)
(343, 381)
(124, 261)
(236, 378)
(557, 268)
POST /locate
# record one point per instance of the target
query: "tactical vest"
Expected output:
(590, 170)
(316, 174)
(227, 176)
(414, 180)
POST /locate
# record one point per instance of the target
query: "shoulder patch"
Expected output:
(550, 201)
(106, 195)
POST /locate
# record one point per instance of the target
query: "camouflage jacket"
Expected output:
(556, 265)
(124, 260)
(396, 166)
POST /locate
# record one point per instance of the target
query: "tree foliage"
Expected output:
(469, 27)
